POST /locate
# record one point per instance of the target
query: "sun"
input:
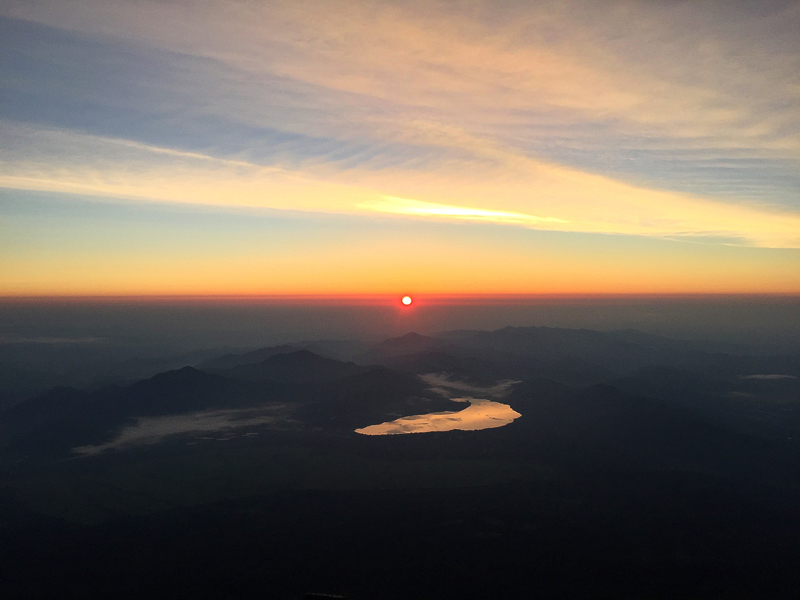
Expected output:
(406, 300)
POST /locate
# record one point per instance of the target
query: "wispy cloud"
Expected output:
(404, 206)
(682, 71)
(511, 189)
(13, 339)
(666, 120)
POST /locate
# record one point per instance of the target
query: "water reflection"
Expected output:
(480, 414)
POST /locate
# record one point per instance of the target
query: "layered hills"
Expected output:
(640, 467)
(746, 394)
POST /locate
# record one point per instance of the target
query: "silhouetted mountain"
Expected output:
(61, 408)
(458, 334)
(764, 407)
(581, 356)
(229, 361)
(64, 418)
(464, 367)
(342, 350)
(331, 393)
(31, 369)
(605, 350)
(300, 367)
(603, 427)
(408, 343)
(373, 396)
(639, 467)
(411, 343)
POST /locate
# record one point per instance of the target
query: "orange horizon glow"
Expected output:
(391, 299)
(371, 148)
(357, 272)
(754, 287)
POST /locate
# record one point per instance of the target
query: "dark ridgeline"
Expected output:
(642, 467)
(322, 392)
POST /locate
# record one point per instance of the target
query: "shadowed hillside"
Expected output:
(639, 467)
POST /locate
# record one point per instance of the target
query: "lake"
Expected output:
(480, 414)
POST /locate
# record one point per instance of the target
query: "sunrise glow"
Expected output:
(214, 214)
(629, 150)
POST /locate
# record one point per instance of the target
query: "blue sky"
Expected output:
(668, 130)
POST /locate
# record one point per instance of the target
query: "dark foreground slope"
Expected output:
(634, 487)
(643, 535)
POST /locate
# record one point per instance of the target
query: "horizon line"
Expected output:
(382, 299)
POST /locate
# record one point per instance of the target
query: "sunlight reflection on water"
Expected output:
(480, 414)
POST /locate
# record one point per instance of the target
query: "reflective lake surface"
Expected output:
(480, 414)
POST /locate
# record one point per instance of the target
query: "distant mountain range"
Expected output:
(634, 458)
(319, 391)
(380, 384)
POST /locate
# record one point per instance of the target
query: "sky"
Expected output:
(342, 148)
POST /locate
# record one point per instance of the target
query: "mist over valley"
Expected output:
(654, 456)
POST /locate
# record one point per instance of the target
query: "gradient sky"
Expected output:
(241, 147)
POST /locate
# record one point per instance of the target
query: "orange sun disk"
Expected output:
(406, 300)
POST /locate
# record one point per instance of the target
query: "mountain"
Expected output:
(573, 356)
(602, 350)
(64, 417)
(229, 361)
(321, 392)
(342, 350)
(601, 421)
(299, 367)
(411, 343)
(766, 407)
(639, 467)
(740, 393)
(343, 395)
(376, 395)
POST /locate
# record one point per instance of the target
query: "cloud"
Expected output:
(510, 189)
(685, 71)
(153, 430)
(404, 206)
(650, 119)
(14, 339)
